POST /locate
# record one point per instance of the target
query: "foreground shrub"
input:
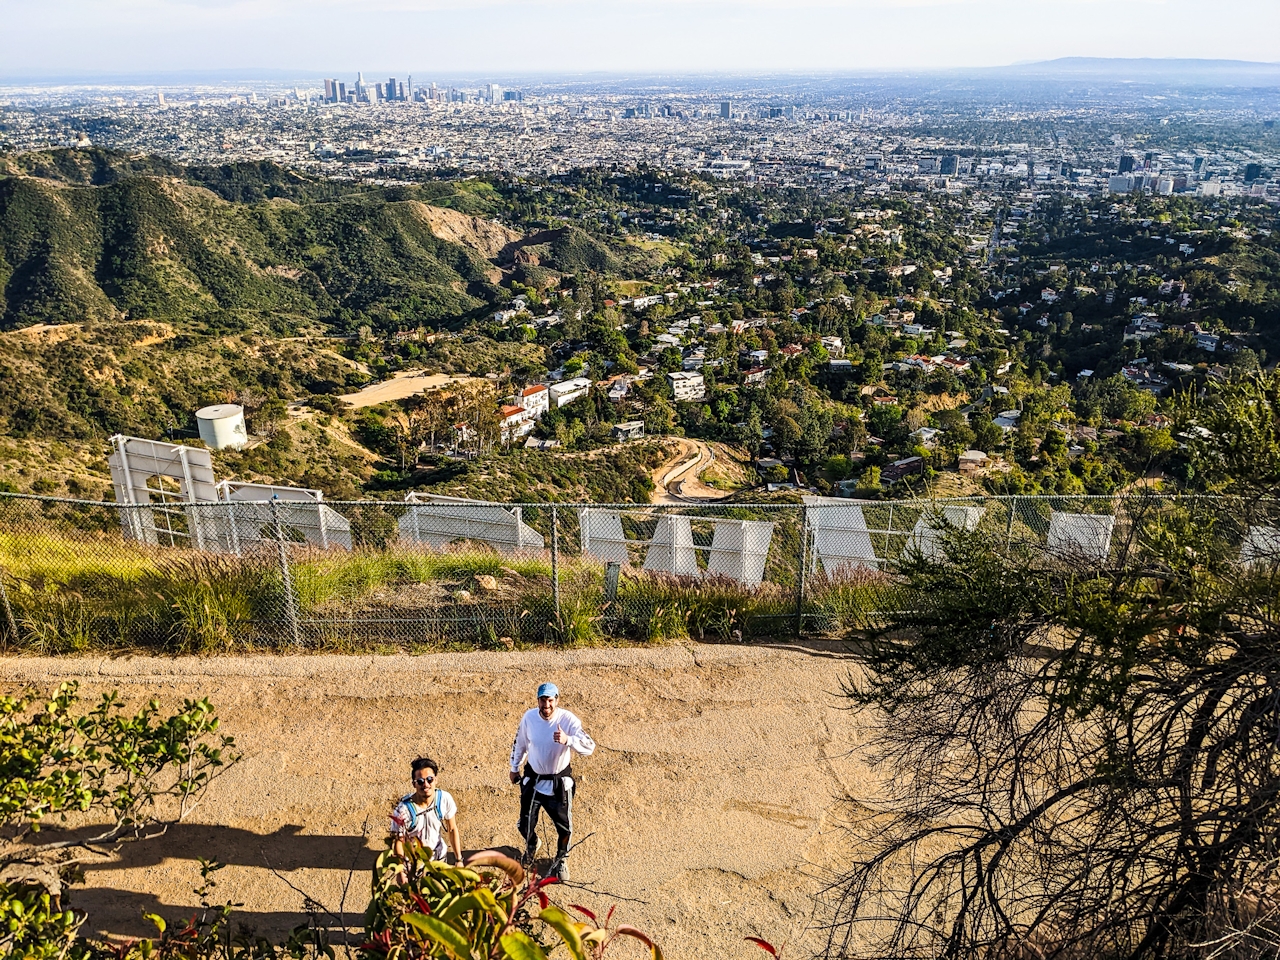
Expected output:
(422, 908)
(142, 771)
(1085, 755)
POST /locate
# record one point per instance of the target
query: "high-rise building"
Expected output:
(1252, 171)
(160, 97)
(948, 166)
(1126, 164)
(725, 108)
(1197, 165)
(342, 92)
(331, 91)
(362, 95)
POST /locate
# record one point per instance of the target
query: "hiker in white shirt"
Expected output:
(427, 814)
(545, 743)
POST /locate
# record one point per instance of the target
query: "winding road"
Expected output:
(680, 484)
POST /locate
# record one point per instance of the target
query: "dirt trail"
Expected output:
(407, 383)
(677, 481)
(711, 794)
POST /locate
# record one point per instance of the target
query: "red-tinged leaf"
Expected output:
(584, 911)
(492, 858)
(609, 916)
(543, 899)
(368, 945)
(626, 930)
(421, 901)
(764, 945)
(546, 881)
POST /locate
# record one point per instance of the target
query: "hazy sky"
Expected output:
(426, 37)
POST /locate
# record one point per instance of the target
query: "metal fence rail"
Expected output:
(434, 572)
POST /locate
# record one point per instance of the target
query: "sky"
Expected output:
(85, 38)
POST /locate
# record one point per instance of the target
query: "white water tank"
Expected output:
(222, 426)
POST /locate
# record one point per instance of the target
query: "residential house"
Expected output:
(535, 399)
(1142, 329)
(630, 430)
(687, 385)
(928, 436)
(902, 468)
(973, 461)
(515, 421)
(568, 391)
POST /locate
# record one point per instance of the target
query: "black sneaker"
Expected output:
(560, 870)
(531, 851)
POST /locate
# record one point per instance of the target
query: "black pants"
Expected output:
(558, 804)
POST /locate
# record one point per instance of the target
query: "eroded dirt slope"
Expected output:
(486, 237)
(712, 796)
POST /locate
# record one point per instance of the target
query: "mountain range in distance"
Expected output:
(1143, 69)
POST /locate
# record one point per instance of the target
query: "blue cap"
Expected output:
(548, 690)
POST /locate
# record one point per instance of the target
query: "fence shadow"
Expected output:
(115, 911)
(287, 848)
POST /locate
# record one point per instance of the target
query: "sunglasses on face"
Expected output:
(423, 781)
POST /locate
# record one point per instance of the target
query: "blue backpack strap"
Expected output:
(407, 801)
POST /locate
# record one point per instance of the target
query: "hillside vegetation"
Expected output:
(78, 382)
(161, 249)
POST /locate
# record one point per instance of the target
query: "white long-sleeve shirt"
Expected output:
(534, 740)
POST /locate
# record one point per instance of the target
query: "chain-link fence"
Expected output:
(434, 573)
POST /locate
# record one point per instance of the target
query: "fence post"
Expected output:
(555, 565)
(290, 610)
(804, 565)
(1008, 534)
(10, 622)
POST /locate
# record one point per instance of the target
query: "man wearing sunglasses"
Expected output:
(426, 814)
(548, 737)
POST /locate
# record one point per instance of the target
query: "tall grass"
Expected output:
(320, 577)
(79, 592)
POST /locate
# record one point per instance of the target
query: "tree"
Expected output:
(869, 482)
(786, 431)
(270, 415)
(1085, 755)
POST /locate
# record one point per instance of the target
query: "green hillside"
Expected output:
(90, 236)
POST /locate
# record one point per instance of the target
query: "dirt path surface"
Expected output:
(711, 795)
(407, 383)
(678, 482)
